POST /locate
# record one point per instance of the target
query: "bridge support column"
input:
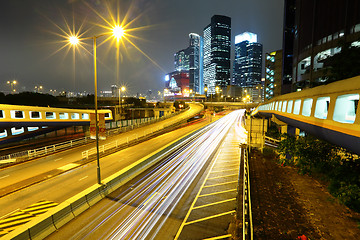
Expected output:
(291, 130)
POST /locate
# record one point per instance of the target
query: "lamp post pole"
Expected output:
(118, 32)
(96, 116)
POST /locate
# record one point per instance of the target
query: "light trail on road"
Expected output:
(144, 207)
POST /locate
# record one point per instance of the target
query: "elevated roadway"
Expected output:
(329, 112)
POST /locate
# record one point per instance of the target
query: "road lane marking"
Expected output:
(4, 176)
(219, 237)
(18, 217)
(224, 176)
(83, 178)
(57, 159)
(68, 166)
(209, 194)
(215, 203)
(227, 166)
(233, 169)
(219, 184)
(210, 217)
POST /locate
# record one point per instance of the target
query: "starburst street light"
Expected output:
(74, 40)
(117, 32)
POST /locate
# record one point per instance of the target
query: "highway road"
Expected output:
(75, 177)
(139, 209)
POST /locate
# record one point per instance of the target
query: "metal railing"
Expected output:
(247, 214)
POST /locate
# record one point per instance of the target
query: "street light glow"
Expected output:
(118, 32)
(74, 40)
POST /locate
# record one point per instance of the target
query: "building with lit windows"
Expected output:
(217, 40)
(320, 28)
(177, 85)
(273, 74)
(182, 60)
(196, 82)
(247, 67)
(191, 60)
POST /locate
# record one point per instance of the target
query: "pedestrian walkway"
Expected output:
(20, 217)
(214, 206)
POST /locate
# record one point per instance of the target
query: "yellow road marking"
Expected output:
(233, 169)
(210, 217)
(215, 203)
(68, 166)
(227, 166)
(219, 237)
(219, 184)
(209, 194)
(224, 176)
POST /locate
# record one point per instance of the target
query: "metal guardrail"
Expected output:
(248, 231)
(272, 140)
(136, 137)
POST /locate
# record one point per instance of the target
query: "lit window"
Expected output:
(306, 109)
(75, 116)
(284, 106)
(35, 115)
(16, 130)
(322, 107)
(63, 115)
(297, 105)
(50, 115)
(345, 108)
(85, 116)
(17, 114)
(289, 106)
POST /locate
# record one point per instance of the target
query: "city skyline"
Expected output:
(28, 48)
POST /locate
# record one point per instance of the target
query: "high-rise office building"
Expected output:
(321, 28)
(196, 63)
(247, 66)
(191, 60)
(217, 39)
(182, 60)
(273, 74)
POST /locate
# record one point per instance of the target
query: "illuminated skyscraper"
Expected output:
(190, 61)
(196, 63)
(217, 38)
(248, 60)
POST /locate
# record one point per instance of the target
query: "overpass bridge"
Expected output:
(17, 121)
(329, 112)
(231, 105)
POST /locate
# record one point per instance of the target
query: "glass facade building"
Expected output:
(190, 60)
(217, 40)
(247, 66)
(196, 63)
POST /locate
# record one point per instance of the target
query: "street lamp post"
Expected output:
(205, 90)
(118, 32)
(122, 89)
(12, 85)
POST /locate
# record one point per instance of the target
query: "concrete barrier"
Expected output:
(43, 229)
(50, 221)
(62, 216)
(79, 205)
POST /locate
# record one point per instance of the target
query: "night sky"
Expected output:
(31, 39)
